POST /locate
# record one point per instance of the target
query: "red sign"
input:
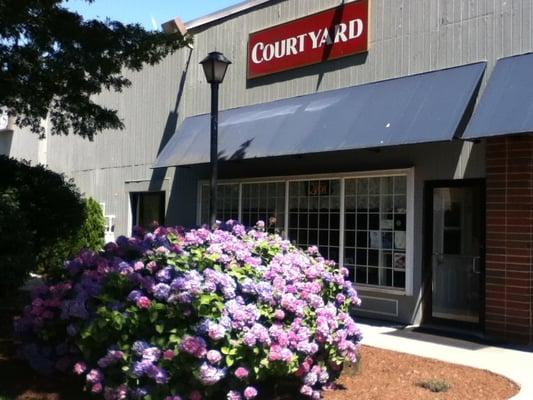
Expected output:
(330, 34)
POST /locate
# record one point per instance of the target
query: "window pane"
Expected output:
(379, 240)
(227, 206)
(318, 217)
(265, 201)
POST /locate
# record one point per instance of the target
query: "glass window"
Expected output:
(227, 202)
(265, 202)
(148, 209)
(314, 215)
(374, 219)
(375, 230)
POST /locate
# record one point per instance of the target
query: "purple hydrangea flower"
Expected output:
(234, 395)
(209, 375)
(139, 347)
(161, 291)
(151, 354)
(216, 331)
(214, 356)
(194, 345)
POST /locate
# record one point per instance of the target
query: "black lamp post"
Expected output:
(215, 66)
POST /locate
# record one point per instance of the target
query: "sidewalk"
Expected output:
(516, 365)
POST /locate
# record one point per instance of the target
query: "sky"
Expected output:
(149, 13)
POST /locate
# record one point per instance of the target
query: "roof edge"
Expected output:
(223, 13)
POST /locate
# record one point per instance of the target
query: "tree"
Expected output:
(53, 62)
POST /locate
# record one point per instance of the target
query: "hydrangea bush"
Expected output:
(195, 315)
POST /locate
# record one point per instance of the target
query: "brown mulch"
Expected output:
(383, 375)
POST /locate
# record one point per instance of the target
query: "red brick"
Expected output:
(512, 296)
(509, 238)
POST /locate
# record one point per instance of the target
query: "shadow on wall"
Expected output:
(311, 70)
(175, 197)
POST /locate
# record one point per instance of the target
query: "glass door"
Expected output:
(456, 263)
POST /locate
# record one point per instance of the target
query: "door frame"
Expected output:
(427, 270)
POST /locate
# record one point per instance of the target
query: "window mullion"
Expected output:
(286, 215)
(239, 207)
(341, 222)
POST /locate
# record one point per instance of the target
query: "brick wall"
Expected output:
(509, 253)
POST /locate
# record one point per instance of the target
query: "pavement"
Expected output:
(515, 364)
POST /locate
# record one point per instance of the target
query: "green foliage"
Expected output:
(37, 207)
(54, 62)
(435, 385)
(14, 263)
(90, 236)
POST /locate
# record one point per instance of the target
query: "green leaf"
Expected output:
(153, 315)
(229, 361)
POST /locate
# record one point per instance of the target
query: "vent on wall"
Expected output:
(378, 305)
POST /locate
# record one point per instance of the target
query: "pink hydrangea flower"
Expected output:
(94, 376)
(79, 368)
(241, 373)
(97, 388)
(195, 395)
(169, 354)
(144, 302)
(250, 392)
(214, 356)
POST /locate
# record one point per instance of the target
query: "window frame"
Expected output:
(139, 201)
(409, 173)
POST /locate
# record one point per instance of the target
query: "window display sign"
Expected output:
(330, 34)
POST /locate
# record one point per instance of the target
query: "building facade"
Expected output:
(396, 161)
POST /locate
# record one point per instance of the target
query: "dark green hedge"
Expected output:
(43, 221)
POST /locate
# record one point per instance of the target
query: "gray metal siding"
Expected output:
(407, 37)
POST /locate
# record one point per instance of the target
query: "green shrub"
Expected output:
(38, 207)
(226, 314)
(90, 236)
(16, 258)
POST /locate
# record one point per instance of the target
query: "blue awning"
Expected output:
(506, 106)
(421, 108)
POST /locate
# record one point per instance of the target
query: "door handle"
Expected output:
(476, 265)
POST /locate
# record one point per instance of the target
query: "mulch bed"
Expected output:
(383, 375)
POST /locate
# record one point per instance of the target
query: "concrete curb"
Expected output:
(516, 365)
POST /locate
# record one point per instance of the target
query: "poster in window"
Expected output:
(399, 240)
(386, 240)
(399, 261)
(375, 239)
(387, 224)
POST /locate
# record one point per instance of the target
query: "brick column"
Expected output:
(509, 235)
